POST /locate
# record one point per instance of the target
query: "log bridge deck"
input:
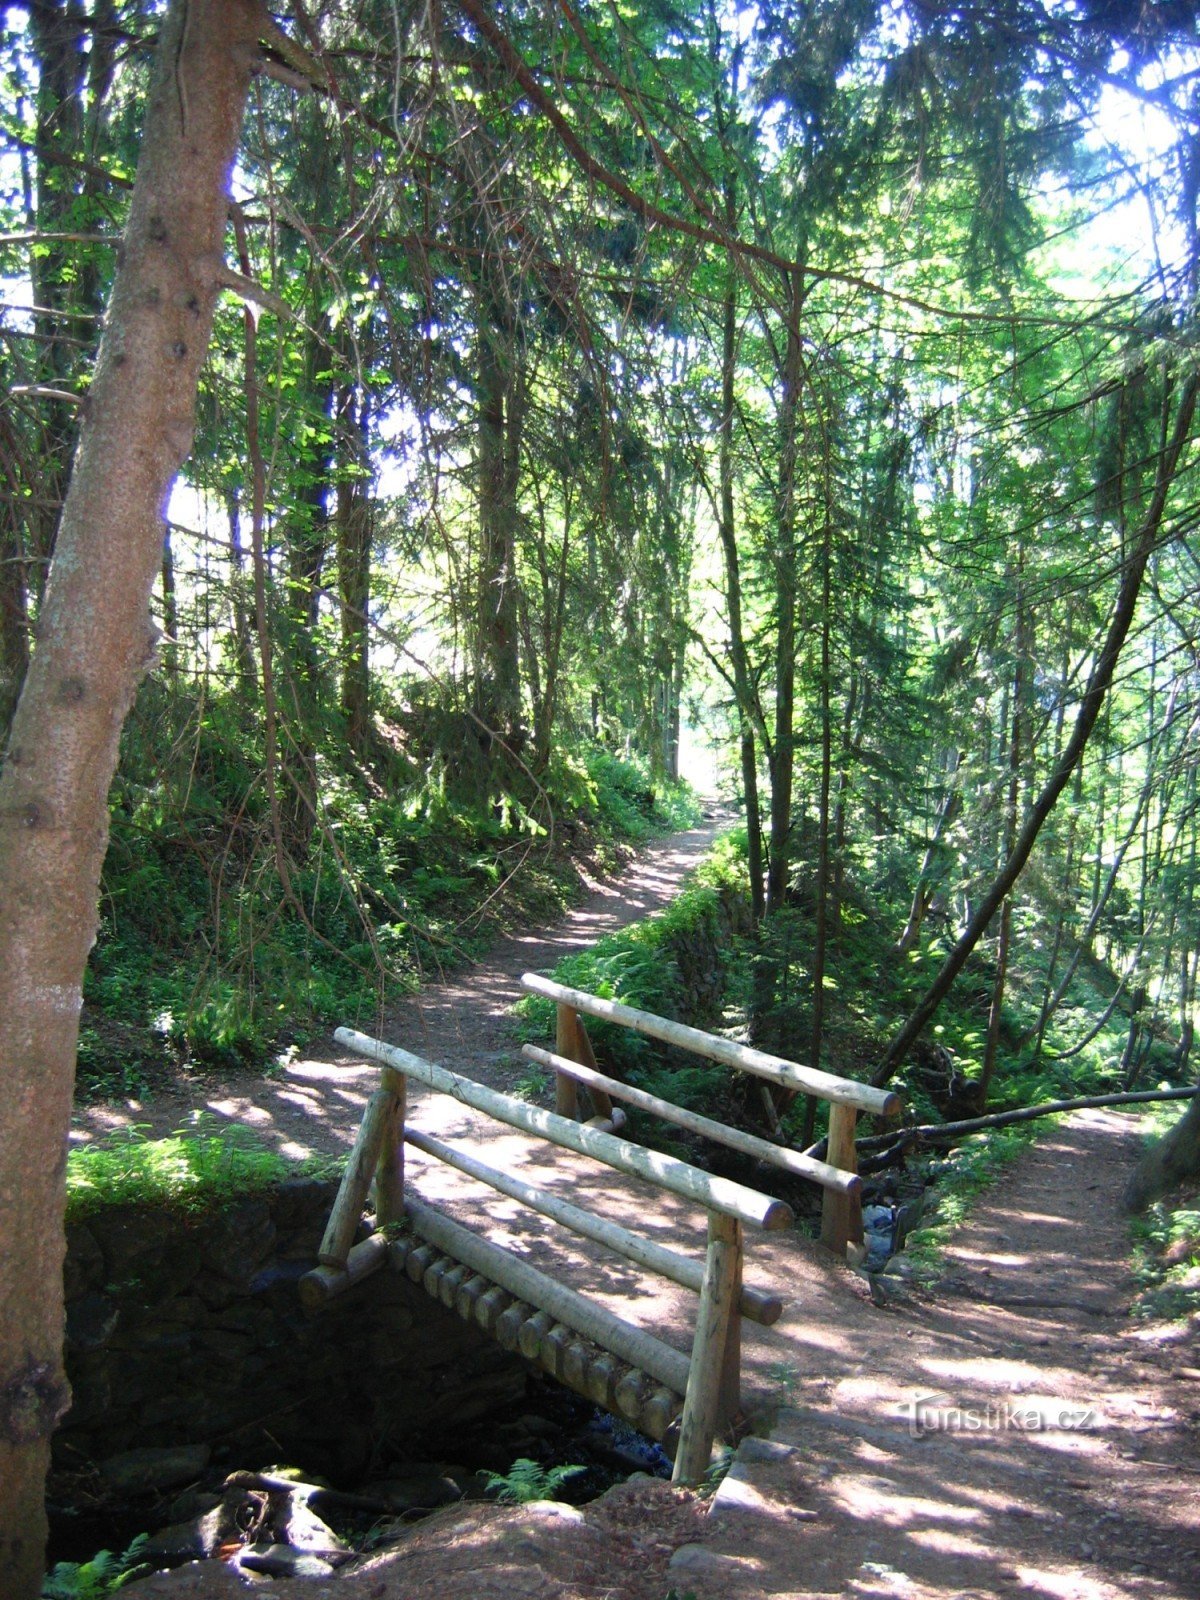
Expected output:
(484, 1262)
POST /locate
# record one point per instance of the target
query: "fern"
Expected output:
(525, 1480)
(103, 1575)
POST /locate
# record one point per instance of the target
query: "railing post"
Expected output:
(356, 1181)
(714, 1374)
(566, 1091)
(602, 1106)
(389, 1167)
(841, 1214)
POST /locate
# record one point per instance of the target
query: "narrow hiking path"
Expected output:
(314, 1104)
(1010, 1432)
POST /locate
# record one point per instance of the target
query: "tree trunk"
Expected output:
(170, 649)
(57, 35)
(1011, 811)
(821, 914)
(742, 686)
(95, 642)
(14, 595)
(1173, 1159)
(498, 679)
(308, 536)
(354, 568)
(783, 748)
(240, 606)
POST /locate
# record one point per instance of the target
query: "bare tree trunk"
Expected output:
(14, 595)
(243, 632)
(354, 568)
(310, 532)
(170, 650)
(95, 642)
(821, 915)
(783, 747)
(742, 686)
(501, 421)
(1011, 813)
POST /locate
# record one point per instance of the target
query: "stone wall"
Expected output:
(702, 955)
(188, 1329)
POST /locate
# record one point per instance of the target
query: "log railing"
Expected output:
(581, 1343)
(574, 1064)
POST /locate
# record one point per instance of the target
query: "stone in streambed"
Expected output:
(420, 1492)
(281, 1561)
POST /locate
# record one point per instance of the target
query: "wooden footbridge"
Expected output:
(685, 1400)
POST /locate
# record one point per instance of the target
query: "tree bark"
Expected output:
(726, 528)
(783, 748)
(1011, 807)
(1174, 1158)
(354, 567)
(1132, 574)
(501, 420)
(95, 642)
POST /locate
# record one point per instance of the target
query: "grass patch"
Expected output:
(191, 1170)
(646, 965)
(967, 1173)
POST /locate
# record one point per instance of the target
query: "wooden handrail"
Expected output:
(788, 1074)
(541, 1318)
(776, 1155)
(665, 1172)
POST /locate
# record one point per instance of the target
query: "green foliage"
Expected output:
(526, 1481)
(192, 1169)
(643, 965)
(207, 959)
(1167, 1260)
(1166, 1238)
(104, 1574)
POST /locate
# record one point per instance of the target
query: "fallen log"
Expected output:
(943, 1132)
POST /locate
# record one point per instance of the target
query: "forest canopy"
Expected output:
(811, 381)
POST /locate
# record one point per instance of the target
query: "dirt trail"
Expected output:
(1010, 1433)
(314, 1104)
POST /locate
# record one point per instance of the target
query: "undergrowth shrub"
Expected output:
(1166, 1238)
(103, 1575)
(226, 936)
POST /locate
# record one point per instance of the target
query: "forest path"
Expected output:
(314, 1104)
(1010, 1432)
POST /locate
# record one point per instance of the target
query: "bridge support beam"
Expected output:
(713, 1396)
